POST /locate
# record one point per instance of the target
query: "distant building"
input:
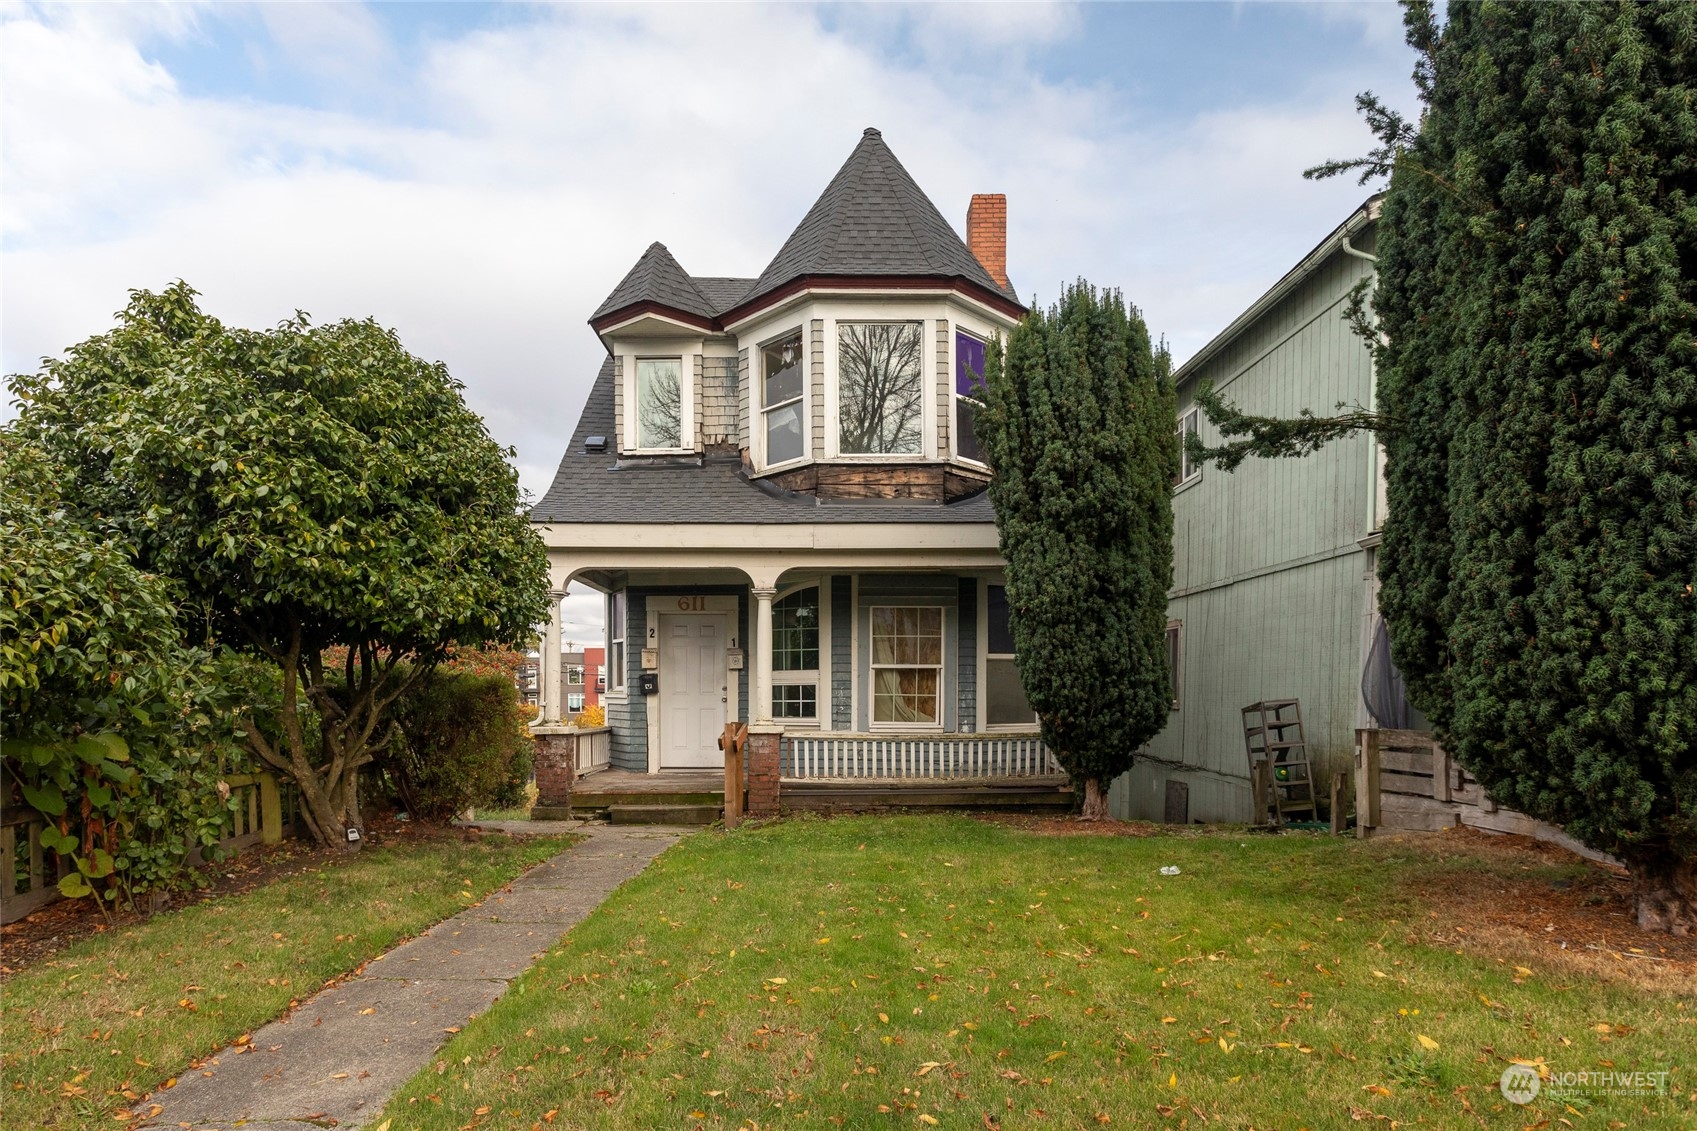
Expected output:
(528, 677)
(583, 678)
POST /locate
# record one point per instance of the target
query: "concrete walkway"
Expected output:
(343, 1052)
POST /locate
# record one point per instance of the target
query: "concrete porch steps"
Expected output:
(662, 814)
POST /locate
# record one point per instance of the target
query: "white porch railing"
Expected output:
(594, 749)
(935, 756)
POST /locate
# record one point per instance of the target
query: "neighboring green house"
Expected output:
(1273, 565)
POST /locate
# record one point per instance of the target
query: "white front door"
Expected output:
(693, 690)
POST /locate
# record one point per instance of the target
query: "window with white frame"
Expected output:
(1175, 654)
(795, 656)
(1004, 698)
(1187, 470)
(880, 388)
(969, 394)
(784, 398)
(659, 402)
(616, 640)
(907, 666)
(574, 675)
(574, 702)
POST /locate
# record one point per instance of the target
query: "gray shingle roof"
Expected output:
(722, 293)
(657, 277)
(593, 487)
(872, 219)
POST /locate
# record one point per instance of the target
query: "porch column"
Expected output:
(548, 666)
(760, 689)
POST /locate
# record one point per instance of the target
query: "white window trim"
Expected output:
(941, 667)
(984, 658)
(956, 329)
(757, 397)
(617, 629)
(685, 354)
(814, 676)
(1190, 417)
(927, 387)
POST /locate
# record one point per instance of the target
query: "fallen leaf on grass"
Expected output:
(927, 1067)
(1426, 1042)
(928, 1120)
(1376, 1089)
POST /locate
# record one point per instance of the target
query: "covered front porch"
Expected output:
(886, 673)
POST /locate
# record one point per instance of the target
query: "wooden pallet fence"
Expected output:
(933, 757)
(594, 749)
(29, 873)
(258, 814)
(1405, 781)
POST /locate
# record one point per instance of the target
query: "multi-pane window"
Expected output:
(783, 398)
(574, 674)
(969, 395)
(795, 655)
(880, 391)
(574, 702)
(659, 402)
(1005, 703)
(616, 640)
(1187, 470)
(907, 666)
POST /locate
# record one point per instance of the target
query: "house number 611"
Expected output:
(697, 604)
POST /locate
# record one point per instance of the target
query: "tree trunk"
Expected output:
(1664, 892)
(1095, 800)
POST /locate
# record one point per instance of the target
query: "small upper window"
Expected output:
(616, 640)
(659, 402)
(969, 395)
(1187, 470)
(783, 398)
(1175, 654)
(880, 390)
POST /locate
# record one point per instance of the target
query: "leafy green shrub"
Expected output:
(460, 742)
(110, 725)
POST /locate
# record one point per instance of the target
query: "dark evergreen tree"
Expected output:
(1538, 392)
(1078, 432)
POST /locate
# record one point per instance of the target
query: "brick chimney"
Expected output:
(987, 233)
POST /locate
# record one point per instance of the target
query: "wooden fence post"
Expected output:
(1366, 782)
(1337, 802)
(270, 810)
(732, 742)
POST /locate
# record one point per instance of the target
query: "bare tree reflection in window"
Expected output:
(659, 400)
(880, 398)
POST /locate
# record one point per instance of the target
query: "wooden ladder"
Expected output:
(1280, 779)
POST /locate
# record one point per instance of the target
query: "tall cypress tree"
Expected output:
(1078, 431)
(1537, 294)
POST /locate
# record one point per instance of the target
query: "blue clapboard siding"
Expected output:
(1268, 577)
(967, 664)
(842, 653)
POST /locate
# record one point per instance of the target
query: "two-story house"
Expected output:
(776, 484)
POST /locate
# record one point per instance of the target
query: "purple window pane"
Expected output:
(969, 366)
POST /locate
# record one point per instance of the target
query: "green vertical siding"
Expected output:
(1267, 570)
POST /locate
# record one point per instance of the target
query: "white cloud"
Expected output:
(537, 158)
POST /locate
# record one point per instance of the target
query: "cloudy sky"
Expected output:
(479, 176)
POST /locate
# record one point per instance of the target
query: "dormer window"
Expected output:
(659, 403)
(969, 395)
(783, 395)
(880, 389)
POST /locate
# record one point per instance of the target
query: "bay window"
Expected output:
(795, 656)
(880, 388)
(783, 398)
(659, 402)
(1005, 703)
(969, 395)
(907, 666)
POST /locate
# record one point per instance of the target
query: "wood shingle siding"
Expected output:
(842, 653)
(966, 678)
(816, 384)
(719, 403)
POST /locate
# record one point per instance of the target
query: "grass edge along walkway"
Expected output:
(939, 971)
(87, 1032)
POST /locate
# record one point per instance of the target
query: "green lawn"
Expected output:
(920, 971)
(105, 1021)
